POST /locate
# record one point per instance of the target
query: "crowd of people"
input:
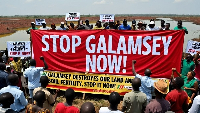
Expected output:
(111, 25)
(147, 95)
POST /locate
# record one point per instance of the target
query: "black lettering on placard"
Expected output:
(196, 45)
(85, 77)
(108, 85)
(18, 46)
(117, 79)
(128, 80)
(89, 84)
(105, 79)
(54, 81)
(71, 83)
(99, 85)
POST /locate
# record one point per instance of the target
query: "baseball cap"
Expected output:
(62, 23)
(32, 22)
(152, 22)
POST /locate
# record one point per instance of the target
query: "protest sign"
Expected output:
(192, 47)
(73, 16)
(38, 22)
(91, 83)
(109, 51)
(19, 49)
(107, 17)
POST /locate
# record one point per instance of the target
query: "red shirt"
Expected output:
(61, 108)
(177, 99)
(197, 70)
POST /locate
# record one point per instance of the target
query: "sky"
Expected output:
(86, 7)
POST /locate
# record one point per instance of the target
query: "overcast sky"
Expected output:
(61, 7)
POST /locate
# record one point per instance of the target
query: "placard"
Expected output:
(107, 17)
(192, 47)
(72, 16)
(38, 22)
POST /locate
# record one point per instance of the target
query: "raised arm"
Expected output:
(133, 67)
(45, 64)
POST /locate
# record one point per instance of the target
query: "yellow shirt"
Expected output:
(95, 27)
(17, 66)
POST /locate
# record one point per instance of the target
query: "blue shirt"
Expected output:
(20, 101)
(146, 86)
(3, 79)
(122, 27)
(33, 75)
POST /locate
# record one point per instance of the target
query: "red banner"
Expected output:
(109, 51)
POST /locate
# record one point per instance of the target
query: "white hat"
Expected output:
(43, 22)
(62, 23)
(32, 22)
(152, 22)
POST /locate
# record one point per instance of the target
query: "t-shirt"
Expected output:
(158, 106)
(61, 108)
(122, 27)
(134, 101)
(46, 28)
(177, 99)
(187, 66)
(176, 28)
(106, 110)
(95, 27)
(152, 29)
(196, 105)
(49, 98)
(187, 84)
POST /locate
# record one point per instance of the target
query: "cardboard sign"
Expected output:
(107, 17)
(38, 22)
(192, 47)
(73, 16)
(19, 49)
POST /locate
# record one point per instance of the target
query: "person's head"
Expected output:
(62, 24)
(133, 23)
(72, 25)
(189, 57)
(162, 22)
(69, 95)
(2, 66)
(125, 22)
(140, 23)
(87, 22)
(39, 97)
(98, 24)
(13, 79)
(32, 62)
(53, 26)
(33, 24)
(147, 72)
(87, 107)
(80, 22)
(136, 83)
(114, 99)
(160, 87)
(111, 24)
(44, 80)
(191, 75)
(44, 24)
(118, 22)
(105, 24)
(167, 26)
(178, 82)
(152, 24)
(6, 99)
(179, 24)
(16, 59)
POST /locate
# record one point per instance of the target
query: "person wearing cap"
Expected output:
(62, 26)
(32, 27)
(53, 26)
(87, 25)
(180, 27)
(140, 27)
(152, 27)
(177, 97)
(44, 27)
(134, 101)
(147, 85)
(133, 27)
(124, 26)
(159, 104)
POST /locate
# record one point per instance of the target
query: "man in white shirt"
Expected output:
(114, 100)
(44, 27)
(195, 106)
(152, 27)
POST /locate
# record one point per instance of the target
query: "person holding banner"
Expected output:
(180, 27)
(53, 26)
(147, 85)
(44, 27)
(32, 75)
(133, 27)
(62, 26)
(32, 27)
(124, 26)
(98, 25)
(87, 25)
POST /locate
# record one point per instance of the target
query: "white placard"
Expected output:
(19, 49)
(38, 22)
(107, 17)
(192, 47)
(72, 16)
